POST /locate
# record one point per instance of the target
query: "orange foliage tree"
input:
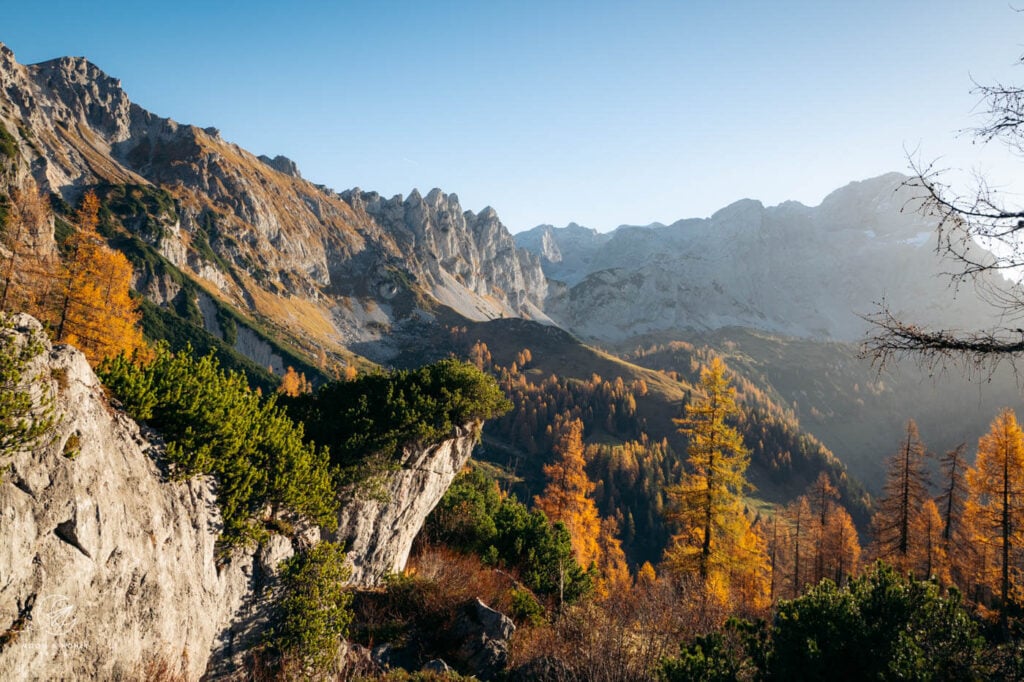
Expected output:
(900, 507)
(798, 513)
(840, 547)
(951, 503)
(567, 497)
(89, 304)
(995, 509)
(294, 383)
(821, 495)
(22, 265)
(716, 542)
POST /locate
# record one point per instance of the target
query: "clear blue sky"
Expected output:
(596, 112)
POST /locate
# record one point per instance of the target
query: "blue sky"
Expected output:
(596, 112)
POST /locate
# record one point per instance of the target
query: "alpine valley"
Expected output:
(235, 253)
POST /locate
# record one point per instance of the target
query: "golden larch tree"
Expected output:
(90, 302)
(996, 485)
(294, 383)
(777, 534)
(931, 560)
(23, 263)
(822, 496)
(613, 571)
(951, 503)
(800, 518)
(567, 496)
(840, 546)
(715, 541)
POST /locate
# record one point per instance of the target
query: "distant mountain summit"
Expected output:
(801, 271)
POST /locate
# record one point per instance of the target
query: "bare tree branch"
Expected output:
(977, 351)
(983, 237)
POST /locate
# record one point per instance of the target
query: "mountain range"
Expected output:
(238, 252)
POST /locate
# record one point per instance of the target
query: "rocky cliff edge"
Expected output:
(109, 571)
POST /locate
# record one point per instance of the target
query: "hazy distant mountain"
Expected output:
(791, 269)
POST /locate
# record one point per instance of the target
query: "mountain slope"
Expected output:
(857, 413)
(324, 269)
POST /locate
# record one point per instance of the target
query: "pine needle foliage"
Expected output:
(378, 414)
(213, 423)
(313, 611)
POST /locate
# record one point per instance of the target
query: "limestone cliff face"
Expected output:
(117, 565)
(458, 251)
(107, 570)
(379, 531)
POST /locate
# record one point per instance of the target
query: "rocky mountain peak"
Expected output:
(87, 94)
(280, 163)
(7, 60)
(251, 228)
(741, 211)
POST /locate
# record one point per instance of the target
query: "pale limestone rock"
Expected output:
(116, 566)
(120, 563)
(378, 532)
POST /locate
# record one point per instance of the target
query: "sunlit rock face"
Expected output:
(378, 531)
(114, 566)
(98, 542)
(335, 270)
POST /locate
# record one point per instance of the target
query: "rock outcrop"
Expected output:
(485, 635)
(378, 531)
(110, 571)
(118, 564)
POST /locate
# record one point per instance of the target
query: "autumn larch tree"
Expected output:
(997, 505)
(933, 561)
(821, 495)
(294, 383)
(840, 546)
(567, 497)
(613, 571)
(779, 546)
(714, 541)
(91, 306)
(798, 513)
(28, 214)
(903, 497)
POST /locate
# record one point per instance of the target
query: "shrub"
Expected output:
(8, 145)
(539, 551)
(464, 518)
(378, 414)
(882, 626)
(473, 517)
(213, 423)
(24, 417)
(313, 612)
